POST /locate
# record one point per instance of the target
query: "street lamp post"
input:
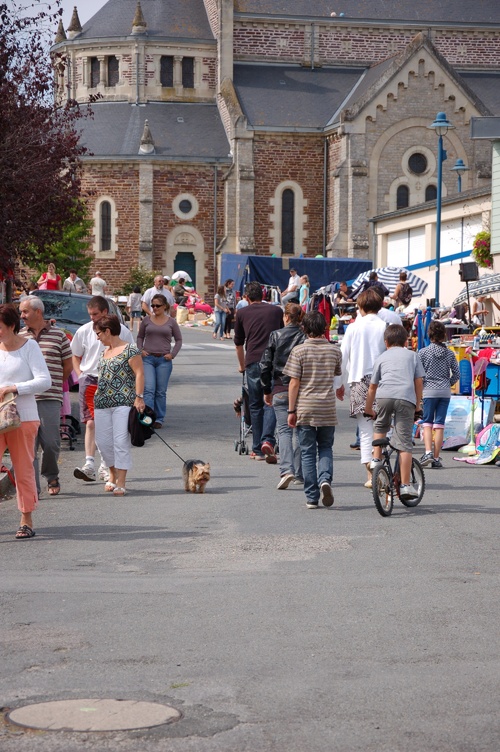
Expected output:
(441, 125)
(459, 167)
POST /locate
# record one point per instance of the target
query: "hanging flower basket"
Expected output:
(481, 250)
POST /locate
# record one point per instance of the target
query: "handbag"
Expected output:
(9, 417)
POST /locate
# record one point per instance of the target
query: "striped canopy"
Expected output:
(389, 275)
(485, 285)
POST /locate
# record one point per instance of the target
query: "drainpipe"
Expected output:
(325, 189)
(312, 46)
(215, 228)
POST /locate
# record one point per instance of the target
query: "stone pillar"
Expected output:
(225, 56)
(495, 203)
(146, 215)
(197, 73)
(103, 73)
(178, 74)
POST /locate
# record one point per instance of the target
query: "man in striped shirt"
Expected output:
(56, 350)
(313, 368)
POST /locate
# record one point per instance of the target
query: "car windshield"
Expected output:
(65, 308)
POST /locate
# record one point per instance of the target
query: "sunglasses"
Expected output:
(157, 305)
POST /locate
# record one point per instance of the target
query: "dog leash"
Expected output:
(168, 445)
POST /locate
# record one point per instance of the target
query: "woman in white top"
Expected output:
(23, 372)
(362, 344)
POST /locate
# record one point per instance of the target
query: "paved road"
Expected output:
(269, 626)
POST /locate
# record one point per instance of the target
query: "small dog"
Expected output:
(196, 474)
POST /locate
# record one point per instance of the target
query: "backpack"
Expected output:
(406, 293)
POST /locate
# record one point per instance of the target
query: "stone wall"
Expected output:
(288, 157)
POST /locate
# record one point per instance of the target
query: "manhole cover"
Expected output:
(93, 715)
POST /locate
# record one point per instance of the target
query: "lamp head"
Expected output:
(441, 124)
(459, 167)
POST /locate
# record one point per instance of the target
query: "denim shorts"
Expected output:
(435, 409)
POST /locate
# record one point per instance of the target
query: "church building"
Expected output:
(272, 127)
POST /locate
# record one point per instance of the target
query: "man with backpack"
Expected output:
(403, 292)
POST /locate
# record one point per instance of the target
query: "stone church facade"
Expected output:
(275, 127)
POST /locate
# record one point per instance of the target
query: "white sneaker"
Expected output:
(103, 473)
(285, 481)
(375, 463)
(87, 472)
(407, 492)
(326, 494)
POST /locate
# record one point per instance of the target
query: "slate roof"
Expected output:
(424, 11)
(292, 96)
(116, 130)
(486, 85)
(178, 19)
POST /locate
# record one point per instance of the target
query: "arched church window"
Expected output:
(188, 72)
(167, 70)
(431, 193)
(95, 72)
(113, 70)
(287, 221)
(105, 226)
(402, 197)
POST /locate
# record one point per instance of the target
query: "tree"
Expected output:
(39, 149)
(143, 278)
(70, 251)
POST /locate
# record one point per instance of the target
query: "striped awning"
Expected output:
(485, 285)
(389, 275)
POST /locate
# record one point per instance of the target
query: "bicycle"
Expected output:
(386, 480)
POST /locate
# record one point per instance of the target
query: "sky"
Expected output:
(86, 9)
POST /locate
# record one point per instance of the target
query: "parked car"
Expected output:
(69, 310)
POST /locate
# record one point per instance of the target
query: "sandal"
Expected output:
(25, 532)
(53, 487)
(119, 491)
(109, 487)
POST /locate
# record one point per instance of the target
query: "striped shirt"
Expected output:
(55, 347)
(315, 363)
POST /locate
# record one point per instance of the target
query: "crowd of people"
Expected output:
(294, 376)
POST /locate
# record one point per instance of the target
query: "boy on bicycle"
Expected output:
(397, 382)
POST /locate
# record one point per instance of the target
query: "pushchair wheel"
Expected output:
(236, 445)
(247, 450)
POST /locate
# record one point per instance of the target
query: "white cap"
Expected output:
(165, 276)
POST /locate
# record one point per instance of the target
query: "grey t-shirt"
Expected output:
(395, 371)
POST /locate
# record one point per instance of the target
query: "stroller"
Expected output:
(242, 409)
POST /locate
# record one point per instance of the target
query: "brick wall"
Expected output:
(209, 75)
(121, 183)
(289, 157)
(213, 16)
(277, 42)
(344, 44)
(199, 181)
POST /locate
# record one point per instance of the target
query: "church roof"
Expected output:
(192, 131)
(164, 18)
(291, 96)
(486, 85)
(425, 11)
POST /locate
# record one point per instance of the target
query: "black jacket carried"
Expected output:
(275, 356)
(140, 433)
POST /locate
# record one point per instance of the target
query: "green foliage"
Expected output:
(70, 252)
(140, 276)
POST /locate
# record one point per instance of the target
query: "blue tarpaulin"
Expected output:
(275, 271)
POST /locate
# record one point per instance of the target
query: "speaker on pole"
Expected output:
(469, 272)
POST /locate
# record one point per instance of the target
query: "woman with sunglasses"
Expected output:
(155, 342)
(120, 386)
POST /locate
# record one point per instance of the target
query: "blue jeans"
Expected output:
(316, 446)
(289, 455)
(262, 416)
(220, 323)
(435, 409)
(156, 377)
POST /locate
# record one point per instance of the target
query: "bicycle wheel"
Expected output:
(383, 492)
(417, 479)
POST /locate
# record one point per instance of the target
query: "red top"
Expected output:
(52, 284)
